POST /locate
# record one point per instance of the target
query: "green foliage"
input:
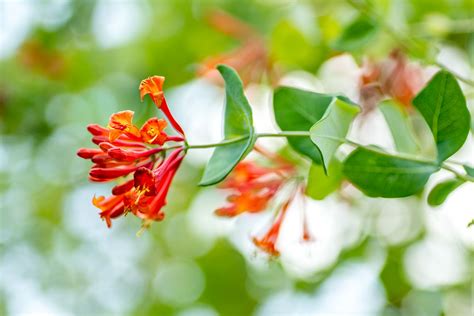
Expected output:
(291, 48)
(402, 131)
(357, 34)
(238, 123)
(378, 174)
(469, 170)
(443, 106)
(299, 110)
(320, 184)
(441, 191)
(329, 132)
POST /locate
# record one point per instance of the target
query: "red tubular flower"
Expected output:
(126, 151)
(268, 242)
(254, 188)
(154, 87)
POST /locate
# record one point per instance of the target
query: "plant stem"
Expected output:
(222, 143)
(341, 140)
(284, 134)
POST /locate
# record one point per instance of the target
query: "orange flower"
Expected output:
(268, 242)
(125, 151)
(154, 87)
(110, 207)
(121, 123)
(254, 187)
(152, 131)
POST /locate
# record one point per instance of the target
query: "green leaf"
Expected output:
(238, 124)
(443, 106)
(441, 191)
(469, 170)
(291, 48)
(329, 132)
(378, 174)
(402, 132)
(298, 110)
(357, 34)
(321, 185)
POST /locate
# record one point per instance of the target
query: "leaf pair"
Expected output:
(443, 106)
(238, 130)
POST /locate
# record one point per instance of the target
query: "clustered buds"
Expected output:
(254, 188)
(138, 156)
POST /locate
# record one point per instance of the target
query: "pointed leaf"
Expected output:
(329, 133)
(298, 110)
(238, 124)
(443, 106)
(402, 131)
(469, 170)
(378, 174)
(441, 191)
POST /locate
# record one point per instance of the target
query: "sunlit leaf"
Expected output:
(443, 106)
(441, 191)
(329, 132)
(357, 34)
(238, 124)
(402, 131)
(378, 174)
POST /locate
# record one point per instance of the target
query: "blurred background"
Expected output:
(65, 64)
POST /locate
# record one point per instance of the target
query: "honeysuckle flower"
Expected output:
(121, 123)
(153, 86)
(268, 242)
(253, 190)
(152, 132)
(139, 157)
(254, 187)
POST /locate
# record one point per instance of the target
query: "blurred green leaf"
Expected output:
(290, 47)
(321, 184)
(357, 34)
(469, 170)
(443, 106)
(441, 191)
(402, 132)
(382, 175)
(298, 110)
(238, 122)
(329, 132)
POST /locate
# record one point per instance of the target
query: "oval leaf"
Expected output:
(441, 191)
(329, 132)
(379, 174)
(443, 106)
(298, 110)
(238, 124)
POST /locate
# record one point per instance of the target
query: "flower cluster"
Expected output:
(254, 188)
(139, 156)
